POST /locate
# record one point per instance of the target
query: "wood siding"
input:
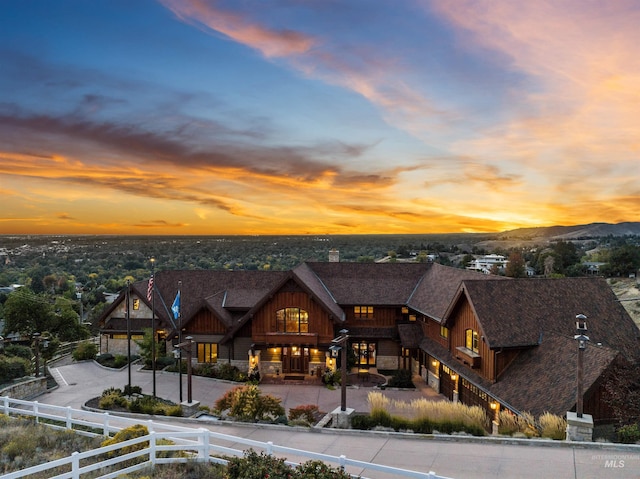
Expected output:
(205, 322)
(463, 319)
(431, 329)
(264, 320)
(382, 317)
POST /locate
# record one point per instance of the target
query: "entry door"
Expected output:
(296, 359)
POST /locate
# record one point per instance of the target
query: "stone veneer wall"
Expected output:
(27, 389)
(387, 362)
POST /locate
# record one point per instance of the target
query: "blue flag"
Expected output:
(175, 307)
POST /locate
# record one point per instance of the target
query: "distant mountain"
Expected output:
(593, 230)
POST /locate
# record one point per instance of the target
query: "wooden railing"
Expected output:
(196, 444)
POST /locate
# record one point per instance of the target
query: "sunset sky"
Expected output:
(195, 117)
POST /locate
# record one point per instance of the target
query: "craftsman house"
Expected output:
(481, 339)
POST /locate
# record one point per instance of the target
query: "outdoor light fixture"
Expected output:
(454, 377)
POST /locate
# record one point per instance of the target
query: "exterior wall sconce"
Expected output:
(454, 377)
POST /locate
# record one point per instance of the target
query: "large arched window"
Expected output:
(292, 320)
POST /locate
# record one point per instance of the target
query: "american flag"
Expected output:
(150, 289)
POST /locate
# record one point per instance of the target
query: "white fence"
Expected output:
(200, 444)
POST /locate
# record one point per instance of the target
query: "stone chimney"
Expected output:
(334, 256)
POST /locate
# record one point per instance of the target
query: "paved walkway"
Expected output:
(460, 458)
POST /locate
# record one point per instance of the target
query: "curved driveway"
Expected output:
(460, 458)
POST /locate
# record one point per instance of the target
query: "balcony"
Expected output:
(306, 339)
(468, 357)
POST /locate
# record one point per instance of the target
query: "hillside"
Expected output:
(628, 292)
(592, 230)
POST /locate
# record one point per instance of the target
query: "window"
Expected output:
(292, 320)
(365, 353)
(444, 331)
(363, 311)
(207, 352)
(135, 337)
(136, 304)
(471, 340)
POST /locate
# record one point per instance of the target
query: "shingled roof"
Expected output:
(553, 365)
(521, 312)
(370, 283)
(438, 287)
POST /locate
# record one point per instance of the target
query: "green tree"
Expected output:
(624, 260)
(516, 267)
(65, 322)
(26, 312)
(145, 346)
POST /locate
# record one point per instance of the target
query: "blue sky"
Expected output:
(317, 117)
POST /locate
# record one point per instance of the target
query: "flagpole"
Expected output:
(180, 336)
(128, 337)
(153, 324)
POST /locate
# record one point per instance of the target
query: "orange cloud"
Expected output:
(270, 43)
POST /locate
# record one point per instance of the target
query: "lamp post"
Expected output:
(79, 296)
(340, 344)
(36, 346)
(582, 338)
(188, 347)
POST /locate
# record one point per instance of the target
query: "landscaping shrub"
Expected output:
(401, 379)
(120, 361)
(306, 413)
(629, 434)
(13, 367)
(552, 426)
(247, 403)
(105, 358)
(130, 391)
(19, 351)
(254, 465)
(85, 351)
(131, 432)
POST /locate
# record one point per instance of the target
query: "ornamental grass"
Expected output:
(423, 416)
(552, 426)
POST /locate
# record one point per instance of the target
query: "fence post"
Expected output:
(35, 411)
(105, 428)
(206, 439)
(343, 461)
(69, 425)
(269, 450)
(75, 465)
(152, 448)
(431, 475)
(5, 401)
(150, 425)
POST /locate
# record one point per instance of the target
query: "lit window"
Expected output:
(207, 352)
(292, 320)
(471, 340)
(363, 311)
(444, 331)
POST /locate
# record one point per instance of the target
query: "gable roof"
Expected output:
(439, 285)
(369, 283)
(520, 312)
(553, 365)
